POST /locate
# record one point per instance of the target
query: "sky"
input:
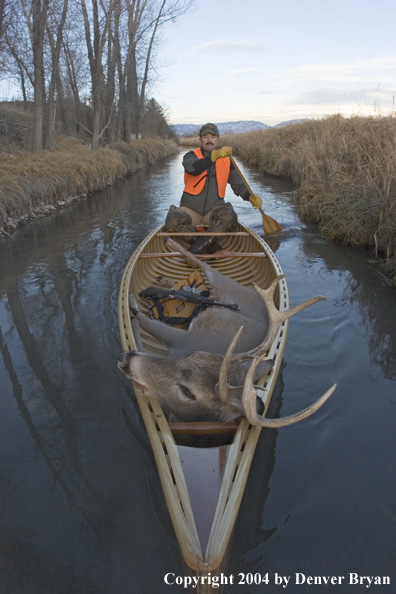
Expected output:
(278, 60)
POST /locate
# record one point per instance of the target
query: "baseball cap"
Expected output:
(209, 129)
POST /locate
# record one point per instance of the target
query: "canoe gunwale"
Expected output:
(165, 450)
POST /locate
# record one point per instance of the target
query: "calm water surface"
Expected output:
(81, 509)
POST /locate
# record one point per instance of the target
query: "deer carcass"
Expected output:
(211, 369)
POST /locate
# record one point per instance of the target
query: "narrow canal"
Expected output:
(81, 509)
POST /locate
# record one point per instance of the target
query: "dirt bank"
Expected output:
(33, 186)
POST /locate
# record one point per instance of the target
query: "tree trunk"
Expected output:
(95, 50)
(140, 103)
(132, 96)
(71, 71)
(55, 52)
(39, 12)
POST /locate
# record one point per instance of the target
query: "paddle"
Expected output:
(269, 224)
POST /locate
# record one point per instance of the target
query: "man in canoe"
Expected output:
(207, 170)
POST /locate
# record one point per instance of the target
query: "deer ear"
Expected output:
(262, 368)
(236, 405)
(231, 389)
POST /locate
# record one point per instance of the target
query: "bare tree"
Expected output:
(129, 91)
(37, 22)
(3, 7)
(167, 11)
(145, 19)
(75, 70)
(18, 62)
(96, 40)
(55, 42)
(5, 14)
(44, 51)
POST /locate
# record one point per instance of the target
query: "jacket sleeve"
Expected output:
(195, 166)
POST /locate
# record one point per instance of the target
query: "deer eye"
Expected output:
(187, 393)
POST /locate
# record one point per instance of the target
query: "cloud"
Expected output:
(323, 95)
(354, 71)
(339, 96)
(273, 92)
(231, 44)
(249, 71)
(360, 86)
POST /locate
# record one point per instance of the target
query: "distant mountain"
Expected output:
(289, 122)
(229, 127)
(224, 127)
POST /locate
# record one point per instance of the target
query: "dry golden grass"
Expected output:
(16, 128)
(344, 170)
(345, 173)
(70, 168)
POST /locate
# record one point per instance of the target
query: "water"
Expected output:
(81, 509)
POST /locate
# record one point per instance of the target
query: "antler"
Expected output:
(249, 395)
(275, 317)
(249, 398)
(223, 385)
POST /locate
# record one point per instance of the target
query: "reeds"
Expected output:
(29, 181)
(345, 174)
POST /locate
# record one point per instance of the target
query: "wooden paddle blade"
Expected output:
(269, 224)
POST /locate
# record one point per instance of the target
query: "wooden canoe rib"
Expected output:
(203, 548)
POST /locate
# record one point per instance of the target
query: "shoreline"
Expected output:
(35, 186)
(344, 170)
(10, 225)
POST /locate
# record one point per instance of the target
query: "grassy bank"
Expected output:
(32, 185)
(345, 174)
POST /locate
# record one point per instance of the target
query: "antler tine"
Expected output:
(276, 317)
(249, 394)
(249, 404)
(223, 385)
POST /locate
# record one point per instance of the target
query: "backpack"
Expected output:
(165, 307)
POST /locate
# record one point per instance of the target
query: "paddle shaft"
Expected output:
(269, 224)
(242, 177)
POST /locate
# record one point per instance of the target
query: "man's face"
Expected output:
(209, 141)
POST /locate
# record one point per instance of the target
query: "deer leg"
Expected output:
(221, 284)
(136, 334)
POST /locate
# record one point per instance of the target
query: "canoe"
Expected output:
(203, 486)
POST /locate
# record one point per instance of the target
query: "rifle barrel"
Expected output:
(161, 293)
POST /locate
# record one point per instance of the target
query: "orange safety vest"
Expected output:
(193, 183)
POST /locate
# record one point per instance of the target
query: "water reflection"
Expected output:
(69, 468)
(81, 508)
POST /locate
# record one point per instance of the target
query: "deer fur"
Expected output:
(212, 366)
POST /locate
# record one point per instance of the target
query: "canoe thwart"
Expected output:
(202, 233)
(222, 254)
(203, 428)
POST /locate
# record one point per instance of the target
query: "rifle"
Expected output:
(185, 294)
